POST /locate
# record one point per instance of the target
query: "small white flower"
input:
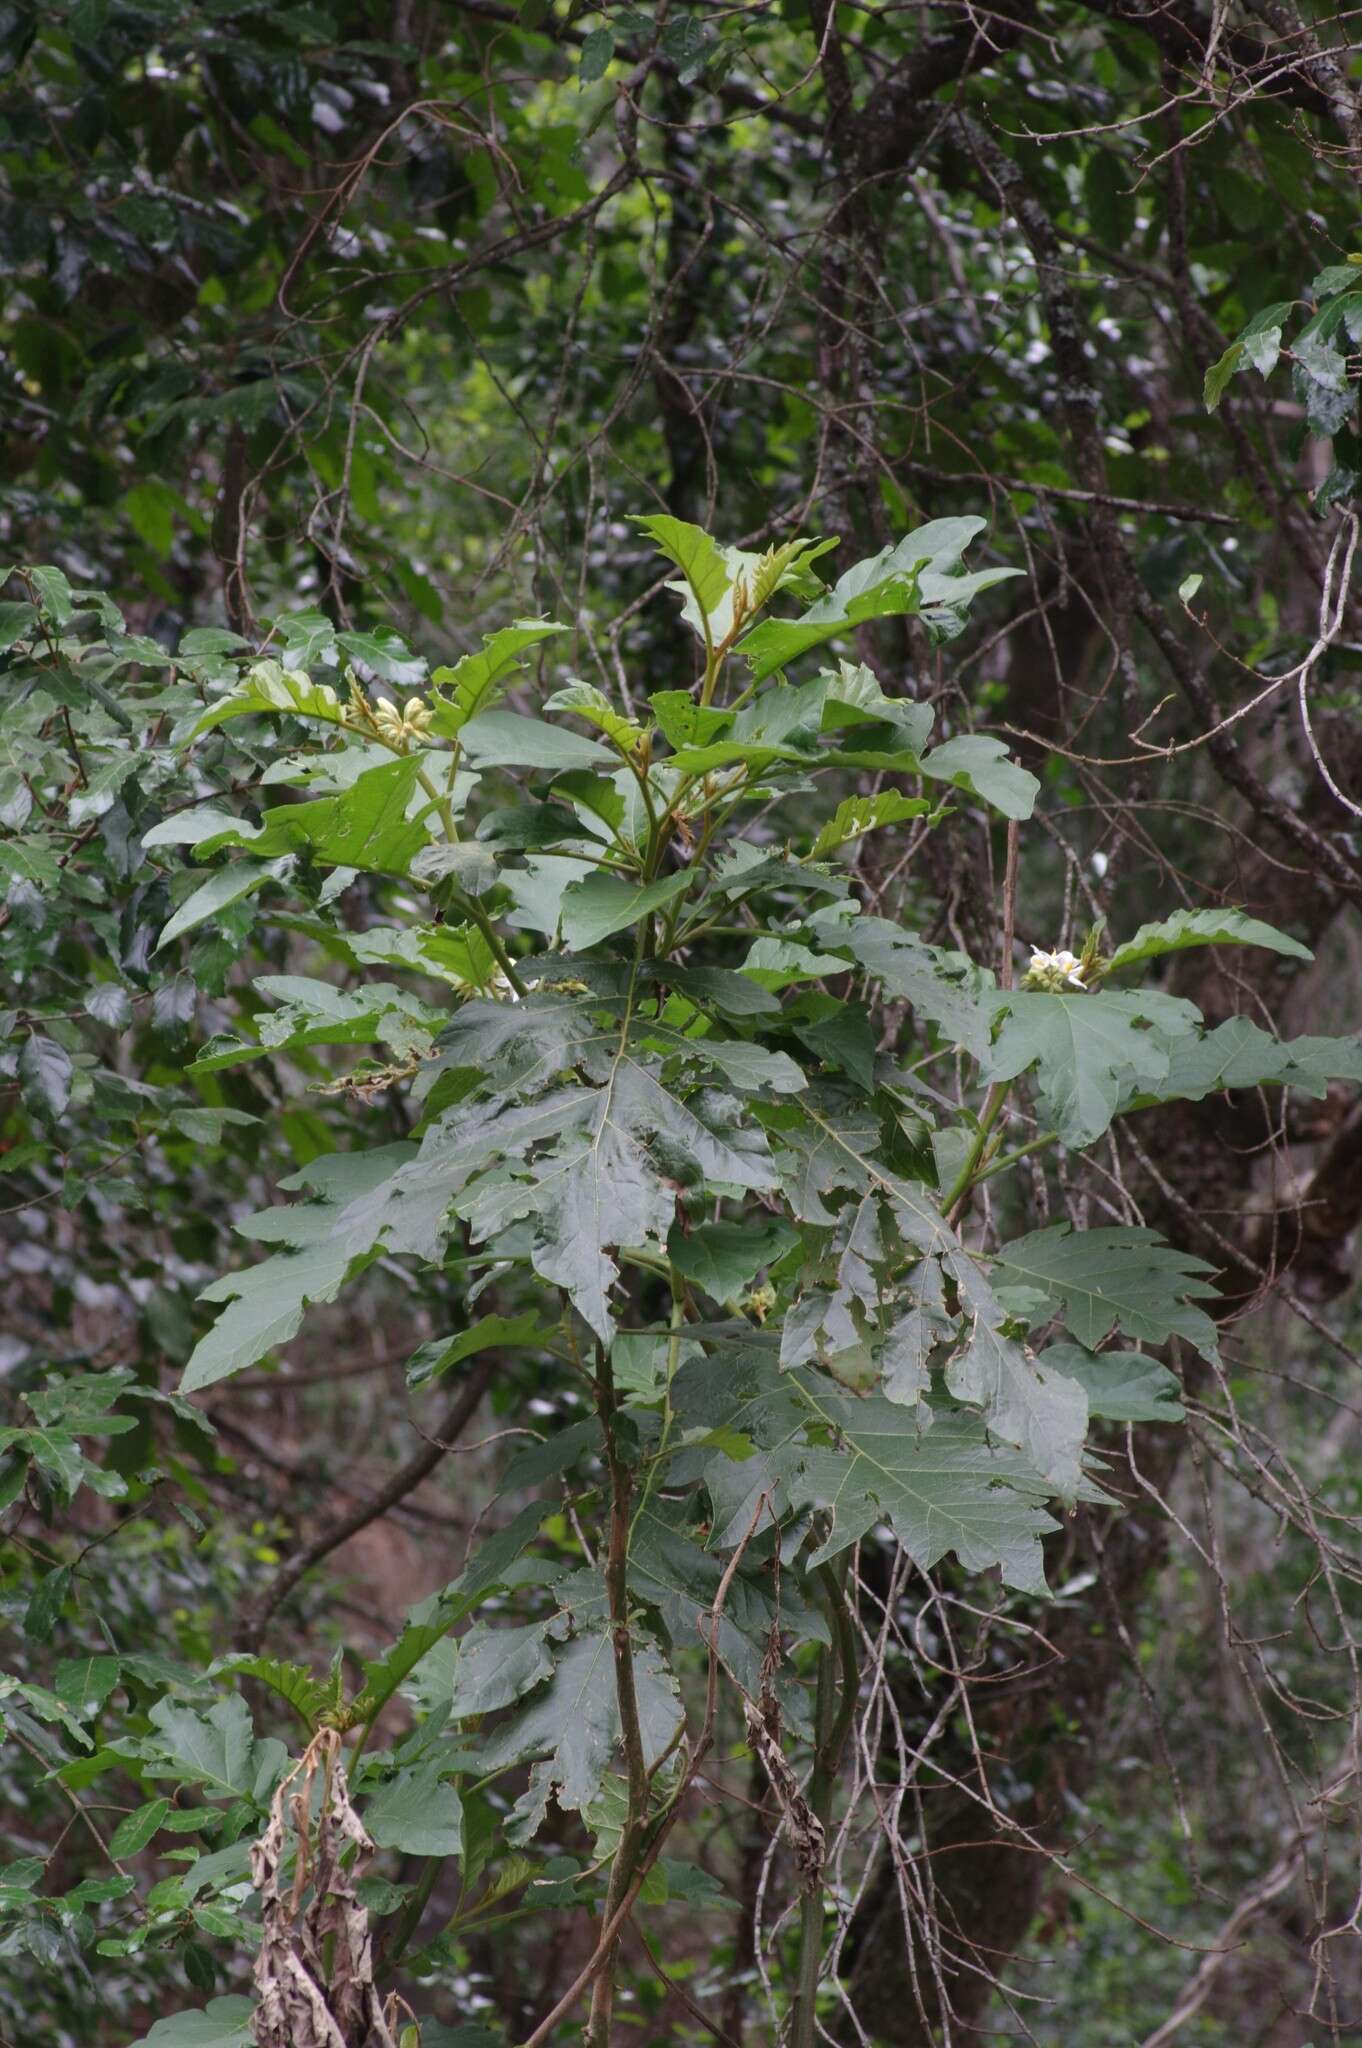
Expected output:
(1057, 966)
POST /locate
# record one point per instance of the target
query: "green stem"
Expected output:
(409, 1919)
(442, 804)
(468, 908)
(1011, 1158)
(964, 1180)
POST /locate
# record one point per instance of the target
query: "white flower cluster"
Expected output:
(1054, 970)
(400, 726)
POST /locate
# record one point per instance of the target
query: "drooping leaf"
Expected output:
(109, 1003)
(825, 1151)
(267, 1301)
(1217, 379)
(1268, 320)
(597, 50)
(431, 1620)
(46, 1072)
(512, 1333)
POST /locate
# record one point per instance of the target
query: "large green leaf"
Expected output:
(377, 823)
(822, 1152)
(268, 1300)
(609, 1181)
(432, 1619)
(417, 1812)
(707, 577)
(225, 885)
(599, 906)
(1238, 1054)
(497, 1666)
(586, 701)
(318, 1013)
(857, 815)
(1203, 928)
(503, 739)
(1121, 1386)
(1103, 1279)
(712, 575)
(724, 1257)
(267, 688)
(223, 2023)
(916, 576)
(671, 1572)
(936, 1479)
(984, 768)
(686, 723)
(84, 1683)
(217, 1750)
(474, 683)
(573, 1725)
(906, 968)
(1088, 1051)
(369, 1200)
(853, 696)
